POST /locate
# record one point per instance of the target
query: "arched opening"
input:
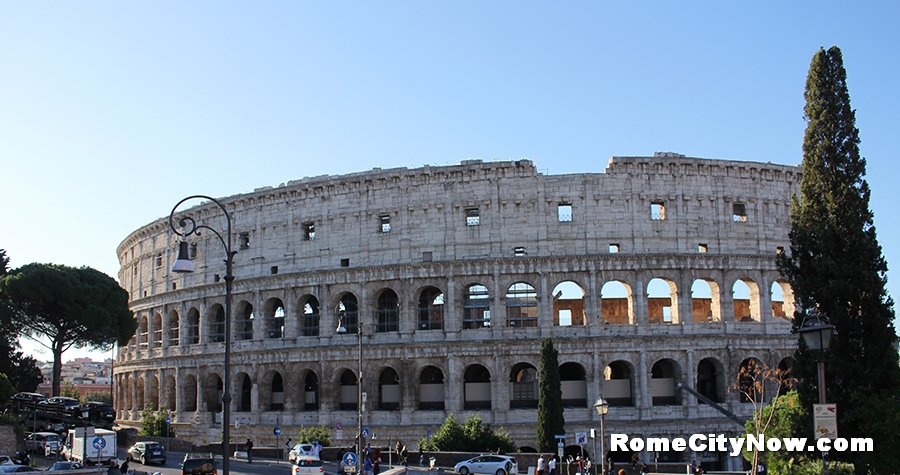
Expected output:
(782, 297)
(389, 390)
(277, 401)
(173, 328)
(523, 387)
(348, 311)
(274, 318)
(309, 318)
(193, 327)
(786, 381)
(573, 385)
(477, 388)
(244, 398)
(217, 325)
(521, 305)
(617, 383)
(245, 319)
(139, 396)
(476, 307)
(709, 374)
(157, 331)
(662, 301)
(143, 338)
(431, 309)
(169, 389)
(311, 392)
(751, 381)
(349, 395)
(431, 389)
(189, 393)
(212, 393)
(663, 375)
(616, 303)
(746, 300)
(568, 304)
(705, 301)
(154, 392)
(387, 312)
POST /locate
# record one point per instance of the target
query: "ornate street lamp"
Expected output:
(816, 333)
(342, 330)
(602, 407)
(183, 264)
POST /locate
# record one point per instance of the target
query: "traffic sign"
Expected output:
(339, 426)
(365, 432)
(349, 459)
(581, 438)
(99, 443)
(168, 420)
(559, 436)
(277, 430)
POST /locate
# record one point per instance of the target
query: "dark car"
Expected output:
(59, 466)
(21, 400)
(195, 464)
(17, 469)
(147, 452)
(100, 411)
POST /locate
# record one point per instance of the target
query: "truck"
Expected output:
(90, 446)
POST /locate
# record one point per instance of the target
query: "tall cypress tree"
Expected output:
(550, 409)
(836, 266)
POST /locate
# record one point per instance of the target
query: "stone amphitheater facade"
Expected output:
(456, 274)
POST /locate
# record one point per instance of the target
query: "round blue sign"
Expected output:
(277, 430)
(99, 443)
(349, 458)
(168, 420)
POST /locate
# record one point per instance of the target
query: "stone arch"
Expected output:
(349, 395)
(139, 395)
(663, 376)
(477, 387)
(189, 393)
(169, 390)
(710, 380)
(476, 306)
(431, 389)
(705, 302)
(213, 389)
(310, 391)
(523, 386)
(271, 391)
(274, 318)
(521, 305)
(174, 330)
(745, 294)
(244, 389)
(143, 336)
(192, 330)
(573, 382)
(430, 310)
(751, 381)
(216, 317)
(387, 311)
(309, 315)
(568, 304)
(389, 390)
(347, 310)
(787, 381)
(244, 321)
(617, 303)
(782, 298)
(154, 391)
(662, 301)
(157, 328)
(618, 383)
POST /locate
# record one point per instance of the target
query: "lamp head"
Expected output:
(816, 332)
(183, 263)
(602, 406)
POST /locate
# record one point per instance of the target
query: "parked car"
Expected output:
(62, 401)
(100, 411)
(302, 449)
(307, 465)
(17, 468)
(6, 460)
(29, 397)
(147, 452)
(488, 464)
(198, 464)
(62, 465)
(46, 443)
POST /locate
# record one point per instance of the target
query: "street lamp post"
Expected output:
(816, 333)
(602, 407)
(341, 329)
(183, 264)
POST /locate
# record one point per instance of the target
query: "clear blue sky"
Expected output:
(111, 112)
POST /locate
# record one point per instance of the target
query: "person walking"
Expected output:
(552, 466)
(248, 446)
(540, 465)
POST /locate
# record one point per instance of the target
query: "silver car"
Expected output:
(489, 465)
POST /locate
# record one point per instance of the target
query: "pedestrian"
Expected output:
(376, 466)
(367, 466)
(249, 447)
(587, 465)
(404, 456)
(645, 468)
(421, 455)
(289, 447)
(540, 465)
(552, 465)
(569, 461)
(124, 467)
(634, 460)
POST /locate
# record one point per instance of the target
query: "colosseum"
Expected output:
(657, 270)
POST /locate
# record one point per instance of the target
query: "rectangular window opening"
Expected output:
(779, 250)
(657, 211)
(385, 223)
(274, 270)
(702, 248)
(345, 262)
(309, 231)
(519, 251)
(473, 218)
(427, 256)
(244, 241)
(564, 212)
(174, 286)
(740, 213)
(217, 278)
(159, 260)
(192, 251)
(613, 248)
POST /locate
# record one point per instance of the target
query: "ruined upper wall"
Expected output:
(518, 212)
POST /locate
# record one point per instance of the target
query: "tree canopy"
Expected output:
(472, 436)
(21, 370)
(70, 307)
(836, 267)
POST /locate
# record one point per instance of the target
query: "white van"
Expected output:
(90, 445)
